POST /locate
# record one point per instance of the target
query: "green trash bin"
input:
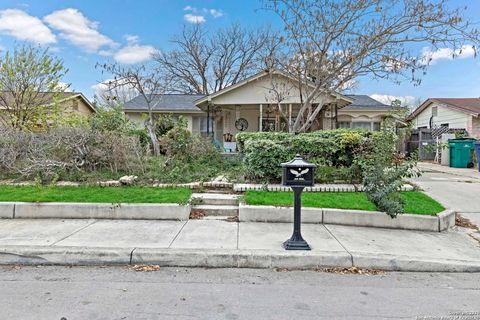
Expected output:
(461, 152)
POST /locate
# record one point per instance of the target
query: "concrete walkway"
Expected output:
(457, 189)
(472, 173)
(217, 243)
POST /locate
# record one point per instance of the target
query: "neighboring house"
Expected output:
(68, 101)
(252, 105)
(453, 113)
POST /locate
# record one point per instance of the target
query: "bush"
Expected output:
(383, 173)
(337, 149)
(66, 152)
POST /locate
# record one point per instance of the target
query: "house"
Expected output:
(452, 113)
(74, 102)
(256, 104)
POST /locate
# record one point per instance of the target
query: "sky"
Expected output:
(86, 32)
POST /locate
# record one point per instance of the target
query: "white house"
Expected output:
(454, 113)
(254, 104)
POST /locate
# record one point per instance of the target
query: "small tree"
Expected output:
(29, 86)
(333, 42)
(147, 82)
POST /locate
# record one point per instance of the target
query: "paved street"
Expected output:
(456, 189)
(178, 293)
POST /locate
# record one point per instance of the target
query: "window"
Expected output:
(362, 125)
(343, 124)
(203, 125)
(446, 125)
(434, 111)
(376, 126)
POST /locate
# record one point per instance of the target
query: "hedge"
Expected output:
(333, 151)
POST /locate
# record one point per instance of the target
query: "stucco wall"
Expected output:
(266, 89)
(139, 117)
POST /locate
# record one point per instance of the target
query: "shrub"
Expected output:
(383, 173)
(111, 119)
(335, 149)
(65, 152)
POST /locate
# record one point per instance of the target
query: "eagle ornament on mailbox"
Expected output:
(298, 172)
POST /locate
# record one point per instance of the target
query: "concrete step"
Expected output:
(217, 210)
(217, 198)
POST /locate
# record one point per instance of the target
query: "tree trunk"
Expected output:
(153, 136)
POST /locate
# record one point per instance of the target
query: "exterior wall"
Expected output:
(77, 105)
(474, 129)
(358, 115)
(455, 119)
(139, 118)
(260, 91)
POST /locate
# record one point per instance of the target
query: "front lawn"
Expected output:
(94, 194)
(415, 202)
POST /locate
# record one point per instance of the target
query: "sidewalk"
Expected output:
(217, 243)
(462, 172)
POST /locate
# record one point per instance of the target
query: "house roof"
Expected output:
(361, 101)
(467, 105)
(255, 77)
(48, 97)
(166, 102)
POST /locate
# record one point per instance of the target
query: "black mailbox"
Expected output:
(298, 172)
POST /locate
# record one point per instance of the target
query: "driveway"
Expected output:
(457, 190)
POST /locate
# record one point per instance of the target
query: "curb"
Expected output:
(222, 258)
(71, 210)
(441, 222)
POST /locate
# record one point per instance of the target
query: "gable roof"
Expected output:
(362, 101)
(165, 102)
(255, 77)
(48, 97)
(467, 105)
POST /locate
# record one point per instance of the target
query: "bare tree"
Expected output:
(147, 82)
(109, 94)
(333, 42)
(203, 63)
(29, 86)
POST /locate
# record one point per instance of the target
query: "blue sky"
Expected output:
(84, 32)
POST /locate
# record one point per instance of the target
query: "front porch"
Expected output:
(225, 121)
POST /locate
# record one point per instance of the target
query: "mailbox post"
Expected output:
(297, 174)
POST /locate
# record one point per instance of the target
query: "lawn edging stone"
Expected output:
(361, 218)
(72, 210)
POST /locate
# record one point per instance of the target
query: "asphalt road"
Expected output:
(121, 293)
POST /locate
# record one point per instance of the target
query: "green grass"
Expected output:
(415, 201)
(94, 194)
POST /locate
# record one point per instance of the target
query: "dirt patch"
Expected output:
(339, 270)
(144, 268)
(197, 215)
(464, 222)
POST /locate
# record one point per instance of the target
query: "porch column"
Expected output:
(261, 118)
(289, 116)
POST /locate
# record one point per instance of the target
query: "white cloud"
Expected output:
(134, 53)
(22, 26)
(409, 101)
(78, 30)
(191, 18)
(188, 8)
(216, 13)
(131, 38)
(432, 57)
